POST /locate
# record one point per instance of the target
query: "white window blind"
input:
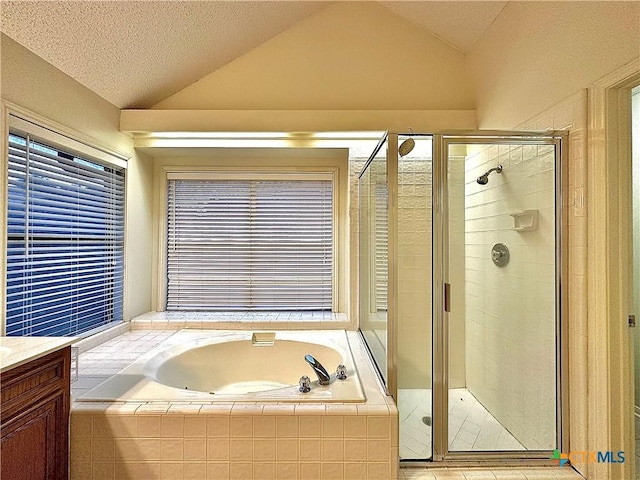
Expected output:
(381, 245)
(65, 232)
(250, 245)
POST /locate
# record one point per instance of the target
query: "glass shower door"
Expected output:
(394, 203)
(499, 329)
(414, 306)
(373, 251)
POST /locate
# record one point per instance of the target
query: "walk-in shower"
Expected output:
(469, 349)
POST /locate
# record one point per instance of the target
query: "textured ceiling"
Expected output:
(459, 23)
(137, 53)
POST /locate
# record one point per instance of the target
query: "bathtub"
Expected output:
(231, 366)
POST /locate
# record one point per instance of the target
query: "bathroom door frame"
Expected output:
(609, 186)
(440, 364)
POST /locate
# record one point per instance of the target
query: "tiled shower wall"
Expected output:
(414, 272)
(510, 311)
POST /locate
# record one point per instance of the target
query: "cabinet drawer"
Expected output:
(29, 383)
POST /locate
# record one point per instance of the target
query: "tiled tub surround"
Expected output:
(241, 440)
(226, 366)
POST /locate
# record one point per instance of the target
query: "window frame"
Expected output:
(254, 173)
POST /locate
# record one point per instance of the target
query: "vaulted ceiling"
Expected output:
(136, 53)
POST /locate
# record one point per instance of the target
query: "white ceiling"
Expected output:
(459, 23)
(136, 53)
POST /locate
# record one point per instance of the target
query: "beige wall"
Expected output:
(349, 56)
(536, 54)
(33, 84)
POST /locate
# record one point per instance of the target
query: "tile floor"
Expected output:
(486, 473)
(471, 426)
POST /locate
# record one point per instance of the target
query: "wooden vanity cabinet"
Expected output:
(34, 419)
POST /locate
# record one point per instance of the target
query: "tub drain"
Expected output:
(427, 420)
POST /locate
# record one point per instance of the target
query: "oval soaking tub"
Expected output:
(212, 366)
(238, 366)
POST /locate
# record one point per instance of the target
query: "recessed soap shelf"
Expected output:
(525, 220)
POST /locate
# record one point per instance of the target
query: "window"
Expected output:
(65, 240)
(381, 235)
(246, 244)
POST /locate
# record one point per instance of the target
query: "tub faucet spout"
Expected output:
(321, 372)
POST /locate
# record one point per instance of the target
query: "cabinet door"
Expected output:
(34, 419)
(33, 448)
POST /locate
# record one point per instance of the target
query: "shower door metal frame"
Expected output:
(440, 340)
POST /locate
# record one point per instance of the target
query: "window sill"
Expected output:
(241, 321)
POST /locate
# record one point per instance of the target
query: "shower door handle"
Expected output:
(447, 297)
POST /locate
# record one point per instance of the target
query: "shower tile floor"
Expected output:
(471, 426)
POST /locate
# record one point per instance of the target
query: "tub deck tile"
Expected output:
(280, 409)
(246, 409)
(185, 408)
(154, 408)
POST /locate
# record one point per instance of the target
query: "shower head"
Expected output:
(484, 179)
(407, 145)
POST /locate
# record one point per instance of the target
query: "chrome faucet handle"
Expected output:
(305, 384)
(341, 372)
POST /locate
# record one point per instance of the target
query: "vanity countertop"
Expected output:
(16, 351)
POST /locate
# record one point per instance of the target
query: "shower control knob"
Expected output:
(305, 384)
(341, 372)
(500, 254)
